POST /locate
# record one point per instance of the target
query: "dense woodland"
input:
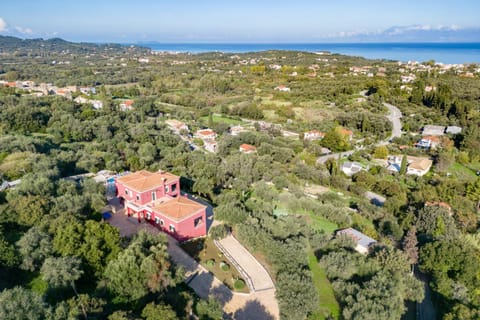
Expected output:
(59, 260)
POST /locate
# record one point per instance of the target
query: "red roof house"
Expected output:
(247, 148)
(346, 132)
(313, 135)
(155, 197)
(205, 134)
(126, 105)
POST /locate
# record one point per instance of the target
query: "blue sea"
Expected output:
(440, 52)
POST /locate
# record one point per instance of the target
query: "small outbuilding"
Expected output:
(363, 242)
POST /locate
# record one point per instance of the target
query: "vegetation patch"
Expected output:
(239, 284)
(206, 253)
(328, 307)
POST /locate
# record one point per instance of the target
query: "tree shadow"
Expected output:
(202, 284)
(253, 310)
(194, 247)
(223, 294)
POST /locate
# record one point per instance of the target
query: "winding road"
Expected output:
(394, 117)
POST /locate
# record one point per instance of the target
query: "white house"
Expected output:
(205, 134)
(419, 167)
(126, 105)
(282, 88)
(362, 241)
(415, 165)
(97, 104)
(247, 148)
(210, 145)
(428, 142)
(176, 125)
(313, 135)
(453, 130)
(236, 130)
(350, 168)
(430, 130)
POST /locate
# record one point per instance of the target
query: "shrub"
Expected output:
(211, 263)
(225, 267)
(219, 232)
(239, 284)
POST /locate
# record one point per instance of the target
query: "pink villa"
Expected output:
(155, 197)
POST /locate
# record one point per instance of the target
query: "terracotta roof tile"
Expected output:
(247, 147)
(178, 208)
(144, 180)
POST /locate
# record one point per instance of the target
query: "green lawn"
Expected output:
(226, 120)
(320, 223)
(328, 304)
(462, 172)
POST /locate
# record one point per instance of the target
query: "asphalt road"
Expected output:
(394, 117)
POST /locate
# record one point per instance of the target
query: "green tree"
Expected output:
(22, 304)
(34, 246)
(403, 166)
(473, 190)
(95, 242)
(61, 272)
(381, 152)
(409, 245)
(209, 309)
(154, 311)
(143, 267)
(336, 140)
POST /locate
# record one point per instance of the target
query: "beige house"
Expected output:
(176, 125)
(419, 167)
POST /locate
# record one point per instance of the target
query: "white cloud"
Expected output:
(3, 25)
(23, 30)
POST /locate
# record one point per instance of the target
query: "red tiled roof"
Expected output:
(205, 132)
(247, 147)
(316, 132)
(178, 208)
(144, 180)
(431, 138)
(346, 132)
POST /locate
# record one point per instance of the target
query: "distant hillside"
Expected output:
(13, 45)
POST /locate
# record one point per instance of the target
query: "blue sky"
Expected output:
(242, 21)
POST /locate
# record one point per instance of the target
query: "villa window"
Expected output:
(126, 192)
(198, 221)
(161, 222)
(174, 187)
(167, 189)
(172, 228)
(149, 215)
(154, 196)
(157, 220)
(138, 197)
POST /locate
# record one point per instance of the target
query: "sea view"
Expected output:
(440, 52)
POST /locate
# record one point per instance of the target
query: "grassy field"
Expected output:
(328, 305)
(217, 118)
(320, 223)
(461, 172)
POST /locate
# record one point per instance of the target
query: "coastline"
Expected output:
(447, 53)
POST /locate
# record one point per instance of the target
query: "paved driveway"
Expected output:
(261, 305)
(242, 259)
